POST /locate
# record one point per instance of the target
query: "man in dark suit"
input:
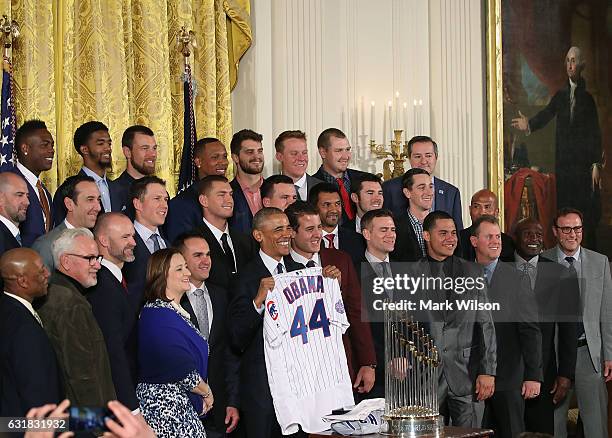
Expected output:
(93, 143)
(247, 154)
(184, 211)
(13, 210)
(68, 320)
(325, 197)
(335, 151)
(230, 249)
(292, 153)
(278, 191)
(519, 340)
(29, 375)
(114, 234)
(140, 150)
(306, 249)
(367, 195)
(81, 198)
(207, 305)
(465, 339)
(483, 202)
(423, 154)
(272, 230)
(34, 147)
(418, 188)
(378, 230)
(150, 200)
(555, 290)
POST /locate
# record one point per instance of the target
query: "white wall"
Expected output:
(314, 61)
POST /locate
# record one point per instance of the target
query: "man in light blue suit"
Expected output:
(423, 153)
(594, 359)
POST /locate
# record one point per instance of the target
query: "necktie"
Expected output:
(229, 254)
(386, 269)
(155, 240)
(310, 264)
(525, 277)
(279, 268)
(18, 239)
(44, 203)
(104, 195)
(570, 260)
(37, 316)
(487, 271)
(330, 240)
(201, 310)
(124, 284)
(572, 102)
(346, 199)
(297, 192)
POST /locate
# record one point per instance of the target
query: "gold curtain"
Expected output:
(116, 61)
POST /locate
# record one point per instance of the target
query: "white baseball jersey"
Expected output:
(307, 370)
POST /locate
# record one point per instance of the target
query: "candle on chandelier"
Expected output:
(372, 121)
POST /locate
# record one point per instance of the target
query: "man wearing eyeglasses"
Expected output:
(594, 334)
(70, 324)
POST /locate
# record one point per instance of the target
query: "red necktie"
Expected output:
(346, 199)
(330, 241)
(124, 284)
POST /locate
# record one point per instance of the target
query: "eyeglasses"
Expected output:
(92, 259)
(567, 230)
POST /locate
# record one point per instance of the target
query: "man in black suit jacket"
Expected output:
(114, 234)
(292, 153)
(34, 147)
(325, 198)
(184, 211)
(335, 151)
(247, 154)
(13, 209)
(207, 305)
(150, 200)
(555, 291)
(29, 374)
(483, 202)
(272, 230)
(230, 249)
(519, 340)
(418, 189)
(140, 150)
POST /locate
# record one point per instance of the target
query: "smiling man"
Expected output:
(278, 191)
(292, 153)
(418, 189)
(13, 209)
(368, 195)
(335, 151)
(34, 146)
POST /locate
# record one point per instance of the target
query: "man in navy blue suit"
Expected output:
(335, 151)
(29, 375)
(13, 210)
(35, 151)
(184, 211)
(140, 150)
(247, 154)
(150, 200)
(423, 153)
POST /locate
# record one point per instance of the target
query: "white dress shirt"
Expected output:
(302, 187)
(303, 260)
(102, 184)
(219, 233)
(271, 264)
(115, 270)
(10, 225)
(145, 234)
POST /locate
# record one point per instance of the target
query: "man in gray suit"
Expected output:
(465, 338)
(81, 198)
(594, 359)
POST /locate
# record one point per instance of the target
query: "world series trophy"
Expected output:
(411, 385)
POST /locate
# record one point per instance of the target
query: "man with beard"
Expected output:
(140, 150)
(92, 142)
(292, 153)
(29, 375)
(247, 154)
(34, 147)
(114, 234)
(184, 212)
(325, 198)
(68, 320)
(13, 209)
(81, 199)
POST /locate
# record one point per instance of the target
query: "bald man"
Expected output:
(14, 204)
(483, 202)
(29, 374)
(114, 234)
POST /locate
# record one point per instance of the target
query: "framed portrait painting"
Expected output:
(549, 79)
